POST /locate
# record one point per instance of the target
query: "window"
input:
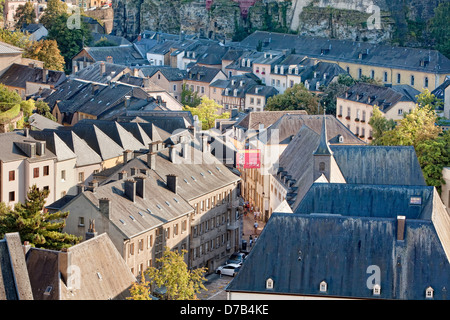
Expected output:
(12, 175)
(425, 82)
(46, 170)
(372, 74)
(412, 80)
(258, 101)
(429, 293)
(36, 173)
(400, 112)
(131, 248)
(385, 77)
(12, 196)
(269, 283)
(399, 78)
(252, 100)
(359, 73)
(376, 290)
(174, 87)
(80, 176)
(363, 116)
(81, 221)
(322, 166)
(63, 175)
(291, 83)
(323, 286)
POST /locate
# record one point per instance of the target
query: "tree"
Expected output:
(379, 125)
(174, 275)
(426, 98)
(16, 38)
(48, 52)
(41, 229)
(43, 109)
(70, 41)
(207, 112)
(104, 42)
(440, 28)
(9, 98)
(140, 290)
(54, 9)
(295, 98)
(25, 15)
(189, 97)
(328, 98)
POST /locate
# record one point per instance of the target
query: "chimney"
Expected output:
(91, 233)
(401, 221)
(102, 68)
(130, 190)
(44, 75)
(80, 188)
(185, 149)
(135, 72)
(153, 146)
(104, 205)
(140, 186)
(64, 262)
(204, 143)
(123, 174)
(93, 185)
(172, 153)
(26, 132)
(40, 148)
(172, 182)
(151, 160)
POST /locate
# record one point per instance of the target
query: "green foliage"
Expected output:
(15, 38)
(54, 9)
(328, 98)
(207, 112)
(440, 28)
(418, 128)
(41, 229)
(189, 98)
(70, 41)
(174, 275)
(43, 109)
(379, 125)
(295, 98)
(426, 98)
(25, 15)
(48, 52)
(9, 114)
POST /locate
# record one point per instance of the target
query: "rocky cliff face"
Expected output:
(342, 19)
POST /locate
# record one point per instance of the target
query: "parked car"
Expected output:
(237, 257)
(229, 269)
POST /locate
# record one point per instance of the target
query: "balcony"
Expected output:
(233, 225)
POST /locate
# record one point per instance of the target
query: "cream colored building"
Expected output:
(355, 107)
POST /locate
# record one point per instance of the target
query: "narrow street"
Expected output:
(216, 284)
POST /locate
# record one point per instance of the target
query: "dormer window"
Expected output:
(429, 293)
(323, 286)
(243, 62)
(276, 69)
(269, 283)
(248, 63)
(376, 290)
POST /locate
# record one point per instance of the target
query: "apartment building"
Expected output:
(25, 162)
(354, 108)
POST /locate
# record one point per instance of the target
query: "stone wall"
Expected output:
(225, 18)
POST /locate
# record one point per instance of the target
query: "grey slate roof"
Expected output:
(125, 55)
(17, 75)
(122, 207)
(349, 51)
(40, 122)
(54, 144)
(253, 119)
(14, 280)
(120, 41)
(203, 74)
(10, 144)
(93, 72)
(307, 249)
(388, 165)
(6, 48)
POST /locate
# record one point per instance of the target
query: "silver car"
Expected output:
(230, 269)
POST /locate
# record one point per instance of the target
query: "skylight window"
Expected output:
(131, 217)
(202, 174)
(218, 169)
(209, 171)
(168, 204)
(185, 180)
(159, 207)
(193, 178)
(141, 214)
(123, 222)
(149, 211)
(176, 200)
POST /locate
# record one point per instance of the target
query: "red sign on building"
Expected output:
(248, 159)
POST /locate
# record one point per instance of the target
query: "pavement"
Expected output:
(248, 228)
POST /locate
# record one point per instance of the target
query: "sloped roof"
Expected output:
(14, 280)
(122, 208)
(267, 118)
(202, 74)
(308, 249)
(125, 55)
(93, 72)
(103, 274)
(388, 165)
(17, 75)
(349, 51)
(40, 122)
(54, 144)
(6, 48)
